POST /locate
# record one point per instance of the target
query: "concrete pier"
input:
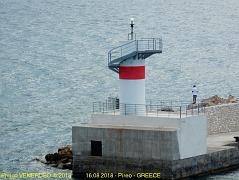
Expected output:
(172, 146)
(136, 144)
(222, 154)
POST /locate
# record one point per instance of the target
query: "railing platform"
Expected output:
(137, 48)
(163, 115)
(150, 110)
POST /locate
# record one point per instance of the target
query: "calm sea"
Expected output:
(53, 64)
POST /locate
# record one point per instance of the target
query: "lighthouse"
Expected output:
(128, 60)
(120, 142)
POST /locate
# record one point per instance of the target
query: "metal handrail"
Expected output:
(148, 109)
(122, 45)
(168, 102)
(154, 44)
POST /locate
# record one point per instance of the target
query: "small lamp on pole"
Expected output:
(132, 28)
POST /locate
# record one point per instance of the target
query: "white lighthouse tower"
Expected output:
(128, 60)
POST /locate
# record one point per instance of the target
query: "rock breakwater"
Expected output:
(62, 159)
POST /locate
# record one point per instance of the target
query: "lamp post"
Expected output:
(132, 28)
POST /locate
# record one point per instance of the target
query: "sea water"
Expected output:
(53, 64)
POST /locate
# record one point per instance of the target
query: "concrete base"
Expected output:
(175, 169)
(189, 137)
(122, 144)
(222, 153)
(128, 142)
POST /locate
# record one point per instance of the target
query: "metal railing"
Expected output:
(168, 102)
(156, 110)
(142, 45)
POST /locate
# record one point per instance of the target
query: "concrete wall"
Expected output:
(175, 169)
(144, 144)
(223, 118)
(192, 136)
(141, 121)
(190, 132)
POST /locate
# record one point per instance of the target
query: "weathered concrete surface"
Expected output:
(219, 156)
(222, 152)
(188, 145)
(127, 142)
(221, 141)
(223, 118)
(169, 139)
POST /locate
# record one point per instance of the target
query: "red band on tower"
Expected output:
(132, 72)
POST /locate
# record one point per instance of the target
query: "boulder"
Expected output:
(216, 100)
(65, 152)
(60, 165)
(67, 166)
(62, 159)
(232, 99)
(52, 157)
